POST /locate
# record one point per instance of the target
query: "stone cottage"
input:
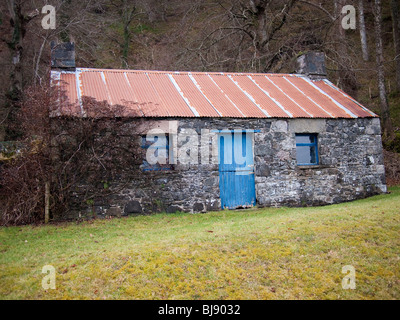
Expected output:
(233, 140)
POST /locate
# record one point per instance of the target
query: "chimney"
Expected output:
(312, 64)
(63, 56)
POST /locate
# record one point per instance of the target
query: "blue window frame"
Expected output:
(307, 149)
(160, 144)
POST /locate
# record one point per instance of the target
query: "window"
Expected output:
(307, 149)
(156, 155)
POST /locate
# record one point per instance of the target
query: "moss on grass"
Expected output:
(252, 254)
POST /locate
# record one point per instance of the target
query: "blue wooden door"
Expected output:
(236, 170)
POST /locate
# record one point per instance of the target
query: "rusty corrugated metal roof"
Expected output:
(202, 94)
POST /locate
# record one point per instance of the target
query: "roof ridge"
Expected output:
(221, 73)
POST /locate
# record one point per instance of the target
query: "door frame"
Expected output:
(225, 131)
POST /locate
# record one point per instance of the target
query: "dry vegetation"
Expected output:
(62, 155)
(392, 166)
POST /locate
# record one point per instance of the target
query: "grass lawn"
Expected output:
(269, 253)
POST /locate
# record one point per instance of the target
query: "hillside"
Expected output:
(212, 35)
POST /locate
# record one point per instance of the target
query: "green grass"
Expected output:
(269, 253)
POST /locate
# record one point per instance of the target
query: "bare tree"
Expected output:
(245, 35)
(347, 77)
(26, 55)
(396, 37)
(363, 32)
(19, 20)
(384, 104)
(125, 13)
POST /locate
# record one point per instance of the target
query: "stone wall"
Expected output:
(351, 167)
(351, 163)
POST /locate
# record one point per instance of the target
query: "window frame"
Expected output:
(314, 144)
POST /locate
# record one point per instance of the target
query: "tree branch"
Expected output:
(320, 7)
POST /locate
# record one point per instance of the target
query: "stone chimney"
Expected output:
(312, 64)
(63, 56)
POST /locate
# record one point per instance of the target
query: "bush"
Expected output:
(75, 155)
(392, 166)
(393, 145)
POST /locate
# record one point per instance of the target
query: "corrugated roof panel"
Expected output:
(332, 105)
(337, 95)
(238, 97)
(261, 98)
(194, 95)
(217, 97)
(301, 98)
(169, 95)
(93, 86)
(276, 93)
(149, 101)
(68, 85)
(121, 93)
(319, 98)
(185, 94)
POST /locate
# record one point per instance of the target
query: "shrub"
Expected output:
(76, 155)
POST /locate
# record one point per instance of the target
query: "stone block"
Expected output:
(307, 126)
(279, 126)
(114, 211)
(198, 207)
(133, 207)
(173, 209)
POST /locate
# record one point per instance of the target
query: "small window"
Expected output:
(158, 158)
(307, 149)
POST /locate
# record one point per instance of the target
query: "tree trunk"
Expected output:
(347, 77)
(125, 45)
(385, 113)
(396, 37)
(127, 16)
(363, 32)
(19, 23)
(16, 49)
(37, 64)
